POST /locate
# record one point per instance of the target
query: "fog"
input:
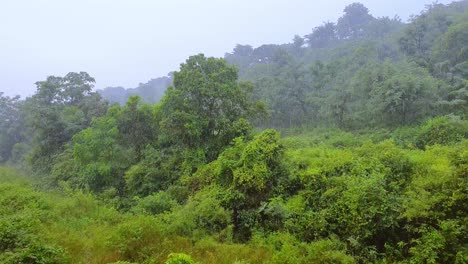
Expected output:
(125, 42)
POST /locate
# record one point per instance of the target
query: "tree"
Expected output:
(403, 93)
(450, 58)
(330, 90)
(383, 26)
(206, 108)
(137, 125)
(322, 36)
(426, 29)
(452, 45)
(250, 172)
(291, 101)
(242, 50)
(298, 43)
(95, 159)
(61, 107)
(265, 53)
(414, 42)
(99, 156)
(352, 24)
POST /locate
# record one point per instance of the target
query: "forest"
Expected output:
(346, 145)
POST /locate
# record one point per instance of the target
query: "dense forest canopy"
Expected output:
(371, 165)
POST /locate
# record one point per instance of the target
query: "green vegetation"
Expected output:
(363, 71)
(370, 166)
(319, 197)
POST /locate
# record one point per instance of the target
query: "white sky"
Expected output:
(125, 42)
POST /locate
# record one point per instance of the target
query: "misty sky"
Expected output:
(125, 42)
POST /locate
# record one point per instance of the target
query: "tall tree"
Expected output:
(61, 107)
(206, 108)
(322, 36)
(352, 24)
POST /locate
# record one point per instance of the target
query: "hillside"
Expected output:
(349, 145)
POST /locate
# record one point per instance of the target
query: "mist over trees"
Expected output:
(361, 70)
(347, 145)
(150, 92)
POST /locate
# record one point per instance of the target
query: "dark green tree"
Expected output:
(322, 36)
(353, 23)
(61, 107)
(206, 108)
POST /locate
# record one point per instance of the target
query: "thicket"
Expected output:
(330, 197)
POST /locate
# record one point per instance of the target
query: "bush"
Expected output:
(157, 203)
(36, 254)
(179, 258)
(202, 214)
(442, 131)
(137, 238)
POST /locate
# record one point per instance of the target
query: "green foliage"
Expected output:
(135, 183)
(137, 125)
(289, 250)
(179, 258)
(258, 161)
(61, 107)
(34, 224)
(99, 156)
(364, 71)
(322, 197)
(157, 171)
(441, 130)
(322, 35)
(157, 203)
(138, 149)
(352, 23)
(95, 158)
(22, 211)
(450, 46)
(250, 172)
(206, 108)
(402, 93)
(201, 215)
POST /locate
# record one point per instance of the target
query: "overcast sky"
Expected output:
(125, 42)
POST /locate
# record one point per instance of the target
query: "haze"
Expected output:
(123, 42)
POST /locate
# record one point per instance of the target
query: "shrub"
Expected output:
(179, 258)
(441, 130)
(157, 203)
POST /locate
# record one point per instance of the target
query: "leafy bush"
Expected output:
(441, 130)
(179, 258)
(201, 215)
(157, 203)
